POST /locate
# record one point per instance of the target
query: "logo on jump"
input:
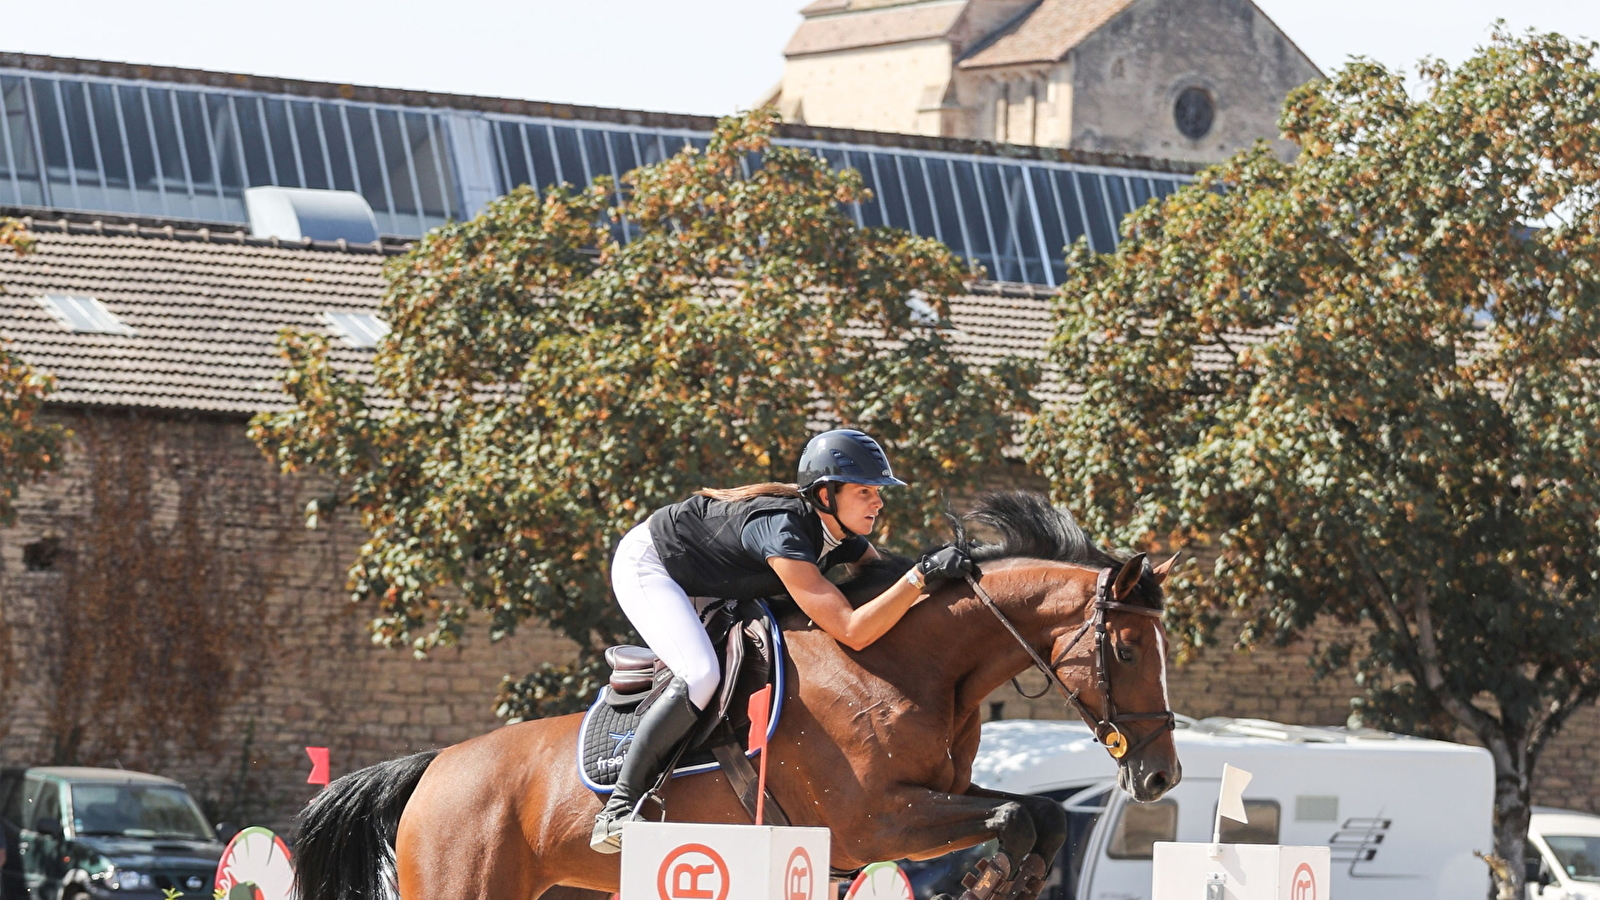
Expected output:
(1304, 884)
(799, 877)
(693, 872)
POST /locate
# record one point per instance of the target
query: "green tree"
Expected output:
(546, 385)
(29, 448)
(1367, 380)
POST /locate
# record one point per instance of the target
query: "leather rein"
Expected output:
(1104, 727)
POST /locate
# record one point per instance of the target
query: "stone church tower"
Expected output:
(1182, 79)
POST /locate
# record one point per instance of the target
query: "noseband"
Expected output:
(1104, 726)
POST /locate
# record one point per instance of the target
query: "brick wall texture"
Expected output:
(164, 607)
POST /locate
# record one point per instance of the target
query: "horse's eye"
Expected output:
(1125, 654)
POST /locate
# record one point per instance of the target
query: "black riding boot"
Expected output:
(664, 724)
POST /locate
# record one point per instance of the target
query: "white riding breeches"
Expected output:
(664, 614)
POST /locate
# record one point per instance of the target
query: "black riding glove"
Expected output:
(947, 562)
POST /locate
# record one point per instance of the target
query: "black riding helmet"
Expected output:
(842, 456)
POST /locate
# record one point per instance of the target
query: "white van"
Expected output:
(1402, 815)
(1563, 855)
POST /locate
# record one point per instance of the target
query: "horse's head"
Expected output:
(1119, 670)
(1102, 622)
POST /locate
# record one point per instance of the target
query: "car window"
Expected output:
(136, 810)
(1579, 855)
(1140, 826)
(11, 799)
(47, 805)
(1262, 827)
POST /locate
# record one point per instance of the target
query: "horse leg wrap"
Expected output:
(987, 878)
(1029, 880)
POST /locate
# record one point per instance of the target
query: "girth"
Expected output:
(1105, 727)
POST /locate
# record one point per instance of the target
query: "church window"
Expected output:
(1194, 113)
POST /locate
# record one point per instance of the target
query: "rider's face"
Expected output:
(858, 505)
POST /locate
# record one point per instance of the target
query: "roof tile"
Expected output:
(1046, 34)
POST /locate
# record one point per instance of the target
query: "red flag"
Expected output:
(760, 711)
(319, 765)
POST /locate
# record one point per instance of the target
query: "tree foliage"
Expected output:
(546, 385)
(1368, 381)
(29, 448)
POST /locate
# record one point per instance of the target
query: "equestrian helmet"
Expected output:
(843, 456)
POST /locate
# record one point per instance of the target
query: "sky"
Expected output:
(696, 56)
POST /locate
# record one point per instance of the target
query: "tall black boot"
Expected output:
(664, 724)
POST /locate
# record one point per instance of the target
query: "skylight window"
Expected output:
(83, 315)
(363, 330)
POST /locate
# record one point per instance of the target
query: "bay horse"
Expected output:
(876, 745)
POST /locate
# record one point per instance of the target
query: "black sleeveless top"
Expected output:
(701, 543)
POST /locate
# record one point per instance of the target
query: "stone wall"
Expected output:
(168, 610)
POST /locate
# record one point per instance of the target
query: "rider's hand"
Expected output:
(947, 562)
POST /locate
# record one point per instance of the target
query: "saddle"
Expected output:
(749, 646)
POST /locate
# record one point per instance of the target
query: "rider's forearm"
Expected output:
(873, 619)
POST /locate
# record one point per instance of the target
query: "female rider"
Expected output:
(760, 540)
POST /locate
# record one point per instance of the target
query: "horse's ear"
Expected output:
(1128, 578)
(1162, 571)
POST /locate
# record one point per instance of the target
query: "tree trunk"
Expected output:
(1511, 814)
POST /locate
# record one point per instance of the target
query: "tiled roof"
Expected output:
(892, 25)
(205, 314)
(206, 310)
(1047, 33)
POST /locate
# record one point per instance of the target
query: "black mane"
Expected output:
(1029, 526)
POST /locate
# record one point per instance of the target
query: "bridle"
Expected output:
(1104, 726)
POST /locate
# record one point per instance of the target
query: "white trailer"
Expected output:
(1401, 815)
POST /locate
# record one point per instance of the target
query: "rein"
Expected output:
(1104, 727)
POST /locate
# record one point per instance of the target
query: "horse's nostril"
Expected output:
(1156, 781)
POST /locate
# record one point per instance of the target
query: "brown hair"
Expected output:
(751, 491)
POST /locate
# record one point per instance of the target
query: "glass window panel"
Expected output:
(74, 108)
(871, 210)
(947, 213)
(369, 170)
(596, 153)
(652, 149)
(1141, 191)
(512, 155)
(891, 195)
(16, 140)
(917, 196)
(190, 127)
(699, 143)
(623, 153)
(396, 170)
(974, 215)
(53, 141)
(285, 161)
(543, 153)
(107, 132)
(1262, 827)
(225, 132)
(312, 162)
(342, 170)
(568, 156)
(1164, 187)
(1117, 192)
(140, 151)
(1096, 212)
(1002, 192)
(1140, 826)
(258, 168)
(172, 157)
(433, 194)
(1050, 222)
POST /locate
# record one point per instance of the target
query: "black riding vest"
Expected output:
(701, 544)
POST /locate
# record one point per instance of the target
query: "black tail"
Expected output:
(344, 839)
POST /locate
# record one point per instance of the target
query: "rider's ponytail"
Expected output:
(751, 491)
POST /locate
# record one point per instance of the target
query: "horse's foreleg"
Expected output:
(1049, 819)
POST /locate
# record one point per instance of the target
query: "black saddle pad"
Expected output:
(607, 730)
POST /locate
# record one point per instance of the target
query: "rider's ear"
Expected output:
(1162, 571)
(1128, 578)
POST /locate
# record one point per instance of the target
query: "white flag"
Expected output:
(1231, 803)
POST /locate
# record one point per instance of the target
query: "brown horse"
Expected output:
(876, 745)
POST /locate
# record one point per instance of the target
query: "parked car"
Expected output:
(1563, 855)
(1401, 814)
(92, 834)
